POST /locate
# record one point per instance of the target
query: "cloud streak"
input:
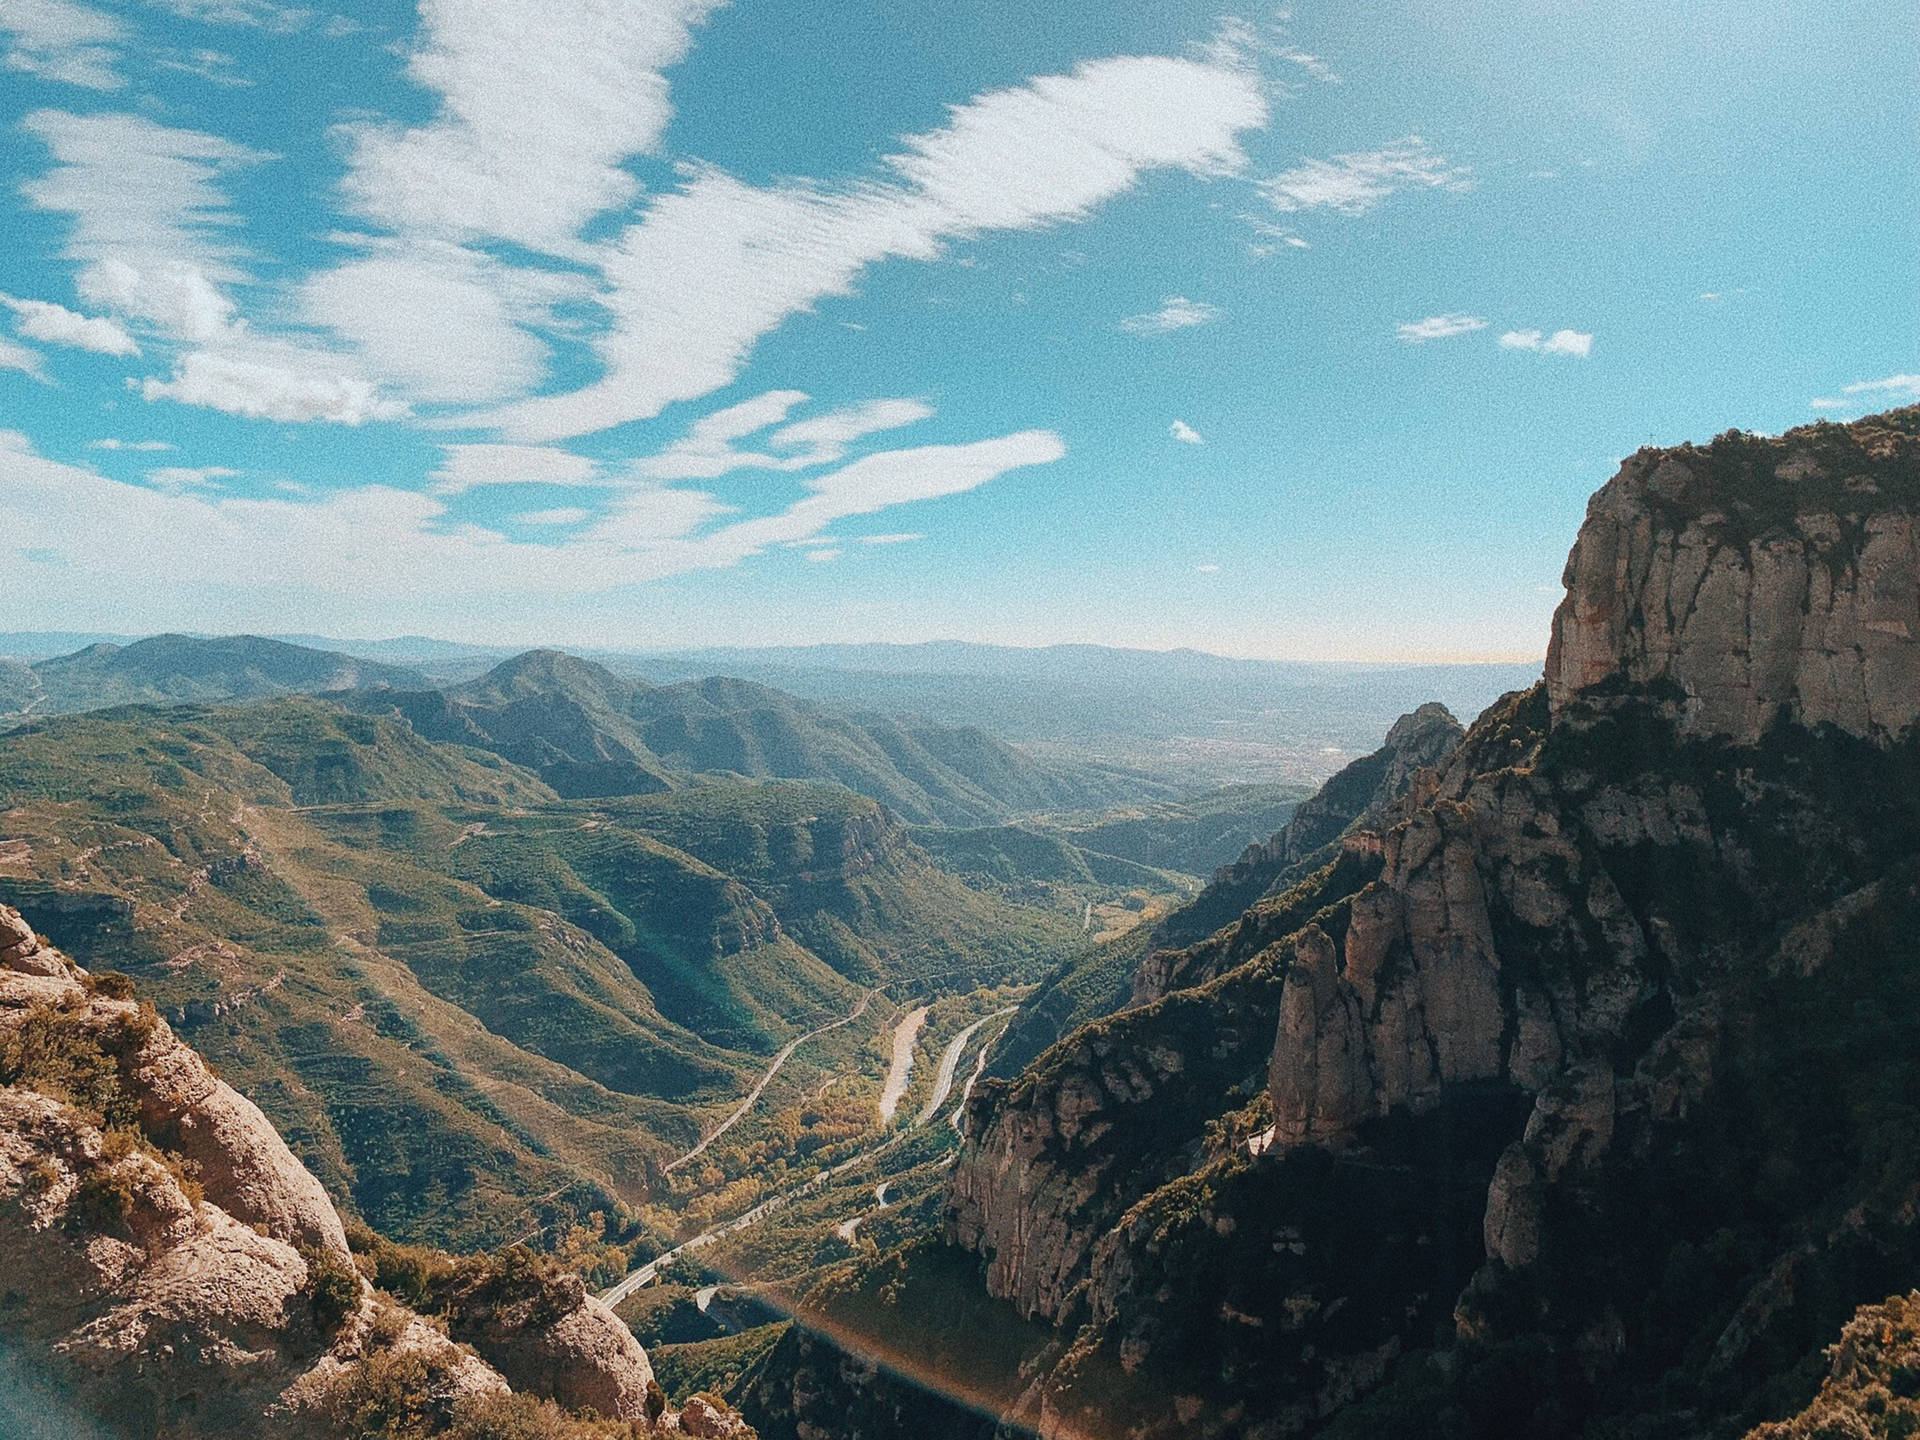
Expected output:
(1353, 184)
(62, 41)
(1176, 312)
(1440, 327)
(717, 264)
(382, 543)
(1572, 343)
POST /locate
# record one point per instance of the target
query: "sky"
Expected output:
(1300, 334)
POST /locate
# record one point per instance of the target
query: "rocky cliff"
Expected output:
(1577, 1090)
(170, 1268)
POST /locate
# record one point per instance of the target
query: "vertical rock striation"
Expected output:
(1593, 967)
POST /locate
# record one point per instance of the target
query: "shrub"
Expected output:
(110, 983)
(332, 1288)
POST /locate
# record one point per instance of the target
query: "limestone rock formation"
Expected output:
(1358, 798)
(1552, 1046)
(166, 1261)
(1757, 579)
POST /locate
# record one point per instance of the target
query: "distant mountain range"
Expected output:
(589, 732)
(1196, 720)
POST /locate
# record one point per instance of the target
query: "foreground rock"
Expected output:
(170, 1268)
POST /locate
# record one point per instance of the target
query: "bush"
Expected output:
(110, 983)
(332, 1288)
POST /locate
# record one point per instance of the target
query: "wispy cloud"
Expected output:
(501, 160)
(269, 381)
(1353, 184)
(1894, 389)
(152, 228)
(19, 357)
(57, 325)
(381, 543)
(59, 40)
(1176, 312)
(256, 14)
(113, 444)
(1207, 569)
(1561, 342)
(1185, 433)
(709, 448)
(1440, 327)
(895, 538)
(719, 263)
(469, 467)
(178, 478)
(560, 515)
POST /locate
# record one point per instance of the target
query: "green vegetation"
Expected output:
(714, 1366)
(479, 1013)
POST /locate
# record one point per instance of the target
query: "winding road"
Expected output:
(949, 1062)
(753, 1095)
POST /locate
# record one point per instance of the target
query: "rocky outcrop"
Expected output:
(1358, 799)
(1754, 580)
(538, 1326)
(168, 1264)
(1553, 1066)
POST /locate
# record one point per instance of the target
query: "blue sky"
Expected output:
(1301, 334)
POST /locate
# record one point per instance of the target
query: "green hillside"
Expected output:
(473, 1007)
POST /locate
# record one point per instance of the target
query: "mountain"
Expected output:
(1571, 1096)
(177, 1271)
(589, 732)
(474, 1008)
(1203, 720)
(168, 668)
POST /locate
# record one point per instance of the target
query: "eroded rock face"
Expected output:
(1360, 797)
(1618, 935)
(1757, 578)
(560, 1343)
(162, 1251)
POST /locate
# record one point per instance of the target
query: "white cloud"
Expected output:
(1176, 312)
(1897, 389)
(1353, 184)
(719, 263)
(1440, 327)
(214, 66)
(473, 307)
(19, 357)
(892, 539)
(708, 449)
(1185, 433)
(504, 158)
(378, 543)
(1207, 569)
(468, 467)
(112, 444)
(176, 478)
(273, 382)
(561, 515)
(258, 14)
(57, 325)
(152, 228)
(1560, 342)
(823, 556)
(59, 40)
